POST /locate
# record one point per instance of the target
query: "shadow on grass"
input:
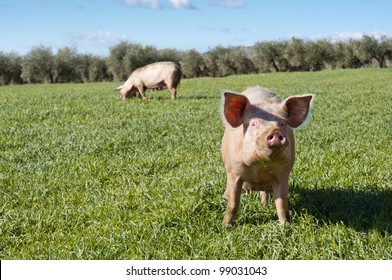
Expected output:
(198, 97)
(179, 98)
(362, 210)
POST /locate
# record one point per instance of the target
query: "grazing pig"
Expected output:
(154, 76)
(258, 146)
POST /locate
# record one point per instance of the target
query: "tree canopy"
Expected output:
(42, 65)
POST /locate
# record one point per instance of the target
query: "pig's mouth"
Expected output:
(270, 153)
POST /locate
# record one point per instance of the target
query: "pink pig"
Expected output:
(258, 146)
(155, 76)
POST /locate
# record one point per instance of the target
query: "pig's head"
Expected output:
(126, 91)
(267, 123)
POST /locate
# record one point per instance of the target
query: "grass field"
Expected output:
(84, 175)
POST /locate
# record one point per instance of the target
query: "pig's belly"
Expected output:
(263, 177)
(258, 179)
(158, 86)
(251, 187)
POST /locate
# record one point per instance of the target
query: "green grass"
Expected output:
(84, 175)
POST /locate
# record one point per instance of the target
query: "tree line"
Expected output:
(41, 65)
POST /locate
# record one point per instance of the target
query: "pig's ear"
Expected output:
(234, 108)
(119, 88)
(297, 109)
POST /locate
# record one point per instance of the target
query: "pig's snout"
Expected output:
(276, 139)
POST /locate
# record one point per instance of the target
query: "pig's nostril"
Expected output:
(276, 139)
(274, 136)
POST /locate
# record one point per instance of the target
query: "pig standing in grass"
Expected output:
(155, 76)
(258, 147)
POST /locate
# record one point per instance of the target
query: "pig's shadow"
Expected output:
(198, 97)
(182, 97)
(358, 209)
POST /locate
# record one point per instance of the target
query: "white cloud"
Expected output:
(182, 4)
(152, 4)
(230, 4)
(346, 36)
(157, 5)
(339, 36)
(98, 38)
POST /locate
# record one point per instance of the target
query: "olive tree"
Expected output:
(38, 65)
(10, 68)
(115, 61)
(192, 64)
(379, 49)
(269, 56)
(66, 63)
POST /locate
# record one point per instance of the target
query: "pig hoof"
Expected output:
(228, 221)
(228, 225)
(285, 221)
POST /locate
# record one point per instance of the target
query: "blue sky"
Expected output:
(93, 26)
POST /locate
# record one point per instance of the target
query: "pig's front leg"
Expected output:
(142, 94)
(264, 197)
(233, 192)
(281, 201)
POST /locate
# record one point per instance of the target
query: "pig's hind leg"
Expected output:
(172, 88)
(173, 92)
